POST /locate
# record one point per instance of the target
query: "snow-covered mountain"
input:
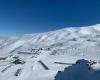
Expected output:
(39, 56)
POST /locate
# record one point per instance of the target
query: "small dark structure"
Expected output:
(91, 40)
(18, 61)
(3, 58)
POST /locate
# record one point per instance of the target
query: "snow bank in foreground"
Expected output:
(82, 70)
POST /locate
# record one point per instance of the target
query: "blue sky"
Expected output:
(19, 17)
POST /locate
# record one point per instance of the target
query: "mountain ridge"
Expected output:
(44, 54)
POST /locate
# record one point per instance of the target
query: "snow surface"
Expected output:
(47, 53)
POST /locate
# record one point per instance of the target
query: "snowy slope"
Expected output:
(44, 54)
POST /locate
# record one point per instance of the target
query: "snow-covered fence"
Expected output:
(63, 63)
(6, 68)
(18, 72)
(43, 65)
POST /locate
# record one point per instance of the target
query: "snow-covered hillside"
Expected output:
(39, 56)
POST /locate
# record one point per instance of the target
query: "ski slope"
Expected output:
(39, 56)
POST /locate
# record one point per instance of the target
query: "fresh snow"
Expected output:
(39, 56)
